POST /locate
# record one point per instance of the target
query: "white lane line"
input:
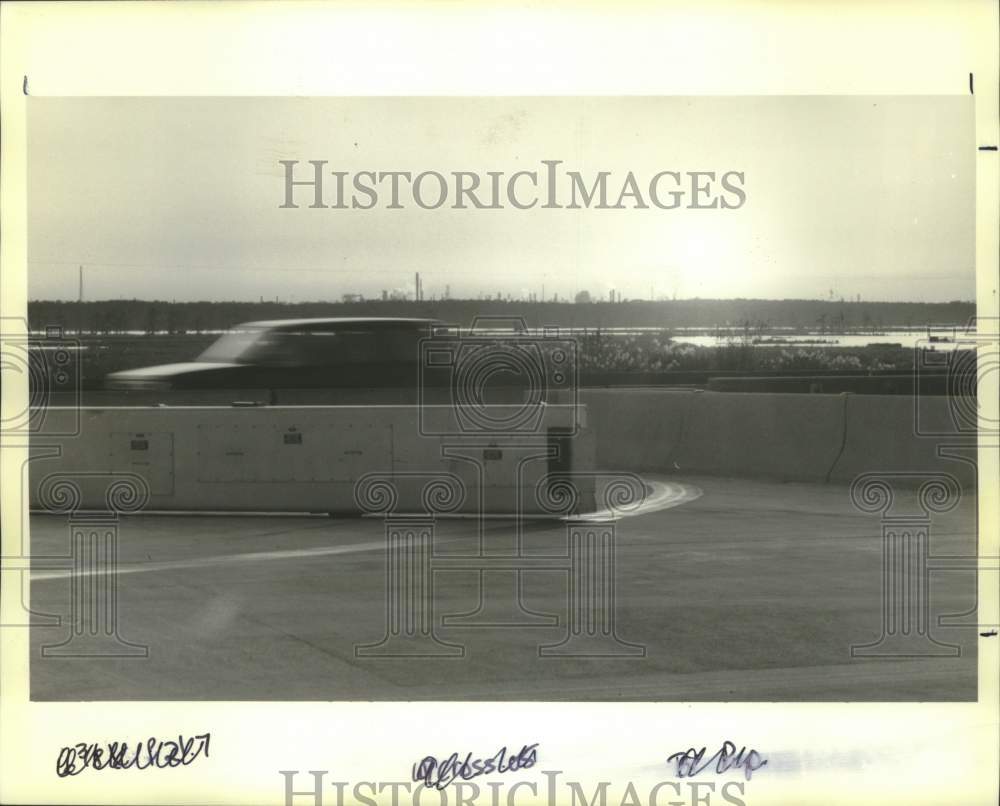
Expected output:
(663, 495)
(219, 559)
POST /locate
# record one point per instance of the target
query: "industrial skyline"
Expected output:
(183, 198)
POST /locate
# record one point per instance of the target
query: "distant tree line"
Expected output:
(758, 315)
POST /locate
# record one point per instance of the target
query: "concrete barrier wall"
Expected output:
(305, 458)
(902, 434)
(638, 429)
(785, 436)
(309, 458)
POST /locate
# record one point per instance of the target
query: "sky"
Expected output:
(181, 198)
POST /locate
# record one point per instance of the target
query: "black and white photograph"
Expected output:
(517, 398)
(563, 400)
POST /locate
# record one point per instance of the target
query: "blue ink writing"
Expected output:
(690, 762)
(122, 756)
(439, 774)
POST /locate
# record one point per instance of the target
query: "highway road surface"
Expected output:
(725, 590)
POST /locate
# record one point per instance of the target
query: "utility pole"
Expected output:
(79, 303)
